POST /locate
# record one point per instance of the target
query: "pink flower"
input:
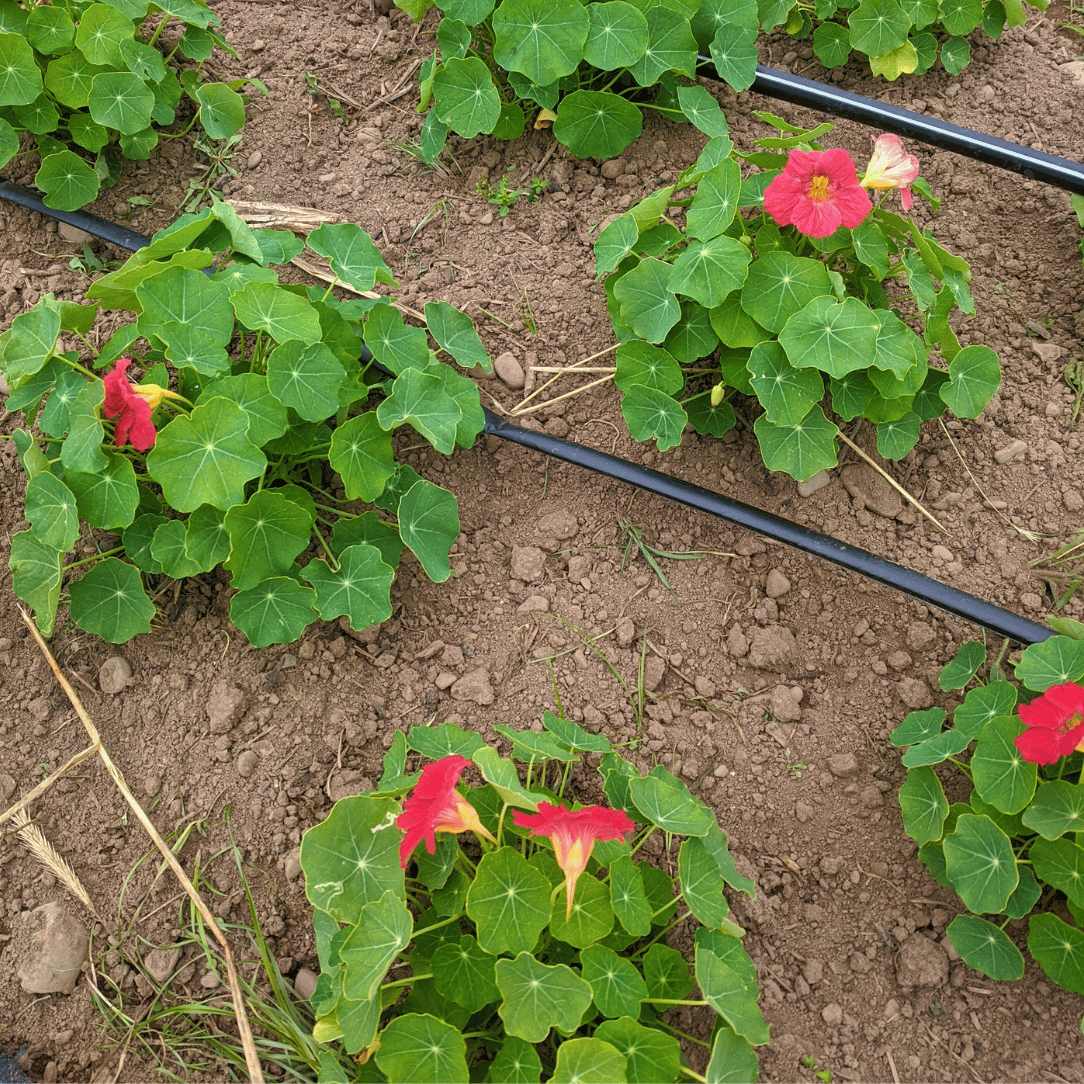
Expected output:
(436, 806)
(817, 192)
(1055, 723)
(132, 410)
(573, 835)
(891, 167)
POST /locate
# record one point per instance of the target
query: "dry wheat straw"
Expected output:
(33, 839)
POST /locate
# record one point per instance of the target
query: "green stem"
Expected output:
(76, 366)
(672, 1001)
(95, 557)
(332, 560)
(158, 32)
(689, 1072)
(679, 1033)
(407, 981)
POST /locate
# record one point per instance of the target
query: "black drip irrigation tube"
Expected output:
(1030, 163)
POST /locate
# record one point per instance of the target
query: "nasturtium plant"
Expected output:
(87, 83)
(588, 69)
(272, 459)
(792, 288)
(1009, 845)
(898, 37)
(536, 948)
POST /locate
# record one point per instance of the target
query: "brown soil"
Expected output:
(810, 800)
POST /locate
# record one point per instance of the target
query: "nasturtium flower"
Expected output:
(436, 806)
(891, 167)
(1055, 724)
(573, 834)
(132, 405)
(817, 192)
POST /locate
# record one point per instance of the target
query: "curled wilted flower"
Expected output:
(891, 167)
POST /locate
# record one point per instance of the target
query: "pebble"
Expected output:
(7, 786)
(445, 680)
(254, 159)
(625, 632)
(528, 563)
(151, 786)
(920, 635)
(114, 675)
(508, 368)
(210, 980)
(654, 672)
(225, 706)
(293, 865)
(486, 218)
(803, 811)
(864, 484)
(899, 660)
(771, 647)
(73, 234)
(921, 963)
(736, 642)
(56, 951)
(777, 584)
(832, 1014)
(813, 971)
(258, 45)
(535, 604)
(811, 485)
(943, 553)
(612, 169)
(704, 686)
(305, 983)
(1010, 451)
(915, 693)
(247, 763)
(843, 765)
(784, 705)
(560, 524)
(160, 963)
(1048, 352)
(474, 687)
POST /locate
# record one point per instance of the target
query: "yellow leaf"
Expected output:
(544, 119)
(894, 64)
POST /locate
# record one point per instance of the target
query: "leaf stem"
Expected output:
(673, 1001)
(94, 557)
(689, 1072)
(407, 981)
(679, 1033)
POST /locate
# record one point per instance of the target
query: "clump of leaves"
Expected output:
(544, 959)
(270, 458)
(1009, 847)
(898, 37)
(504, 197)
(858, 319)
(87, 83)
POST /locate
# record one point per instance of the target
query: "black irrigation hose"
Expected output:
(1000, 621)
(101, 228)
(1035, 165)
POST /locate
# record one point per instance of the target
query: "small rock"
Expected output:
(579, 568)
(445, 680)
(736, 642)
(258, 45)
(920, 635)
(225, 706)
(864, 484)
(625, 632)
(832, 1014)
(293, 864)
(485, 218)
(813, 970)
(73, 234)
(1048, 352)
(899, 660)
(921, 963)
(812, 485)
(152, 784)
(528, 563)
(535, 604)
(704, 686)
(56, 951)
(247, 763)
(160, 963)
(843, 765)
(560, 524)
(915, 693)
(210, 980)
(772, 647)
(508, 368)
(475, 687)
(871, 797)
(305, 983)
(254, 159)
(777, 584)
(783, 706)
(1010, 451)
(7, 786)
(803, 811)
(612, 169)
(654, 672)
(943, 553)
(114, 675)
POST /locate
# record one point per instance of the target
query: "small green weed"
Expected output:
(500, 195)
(794, 768)
(633, 538)
(219, 154)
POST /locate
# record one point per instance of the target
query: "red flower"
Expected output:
(436, 806)
(1055, 723)
(817, 192)
(573, 835)
(891, 167)
(131, 409)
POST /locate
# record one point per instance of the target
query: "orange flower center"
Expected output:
(819, 188)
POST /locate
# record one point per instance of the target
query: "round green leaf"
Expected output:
(703, 111)
(267, 417)
(670, 46)
(709, 270)
(36, 574)
(787, 394)
(1051, 662)
(455, 333)
(40, 116)
(801, 449)
(67, 181)
(652, 367)
(982, 704)
(1025, 896)
(221, 110)
(536, 995)
(276, 611)
(837, 338)
(923, 804)
(589, 1061)
(307, 377)
(780, 284)
(102, 29)
(207, 542)
(627, 896)
(715, 203)
(1060, 862)
(20, 77)
(733, 1060)
(509, 903)
(394, 344)
(261, 306)
(516, 1062)
(51, 512)
(109, 498)
(617, 37)
(981, 865)
(206, 457)
(50, 30)
(87, 133)
(180, 295)
(352, 254)
(957, 673)
(734, 53)
(702, 883)
(1059, 950)
(614, 243)
(651, 415)
(443, 741)
(878, 27)
(138, 537)
(616, 985)
(370, 947)
(648, 306)
(960, 17)
(420, 1049)
(368, 527)
(465, 98)
(726, 992)
(974, 376)
(361, 453)
(453, 39)
(1001, 775)
(464, 973)
(359, 588)
(542, 39)
(1058, 807)
(692, 337)
(665, 970)
(109, 601)
(120, 100)
(266, 533)
(168, 549)
(955, 55)
(429, 524)
(69, 78)
(9, 142)
(592, 915)
(896, 439)
(936, 749)
(832, 44)
(667, 803)
(986, 948)
(650, 1054)
(596, 123)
